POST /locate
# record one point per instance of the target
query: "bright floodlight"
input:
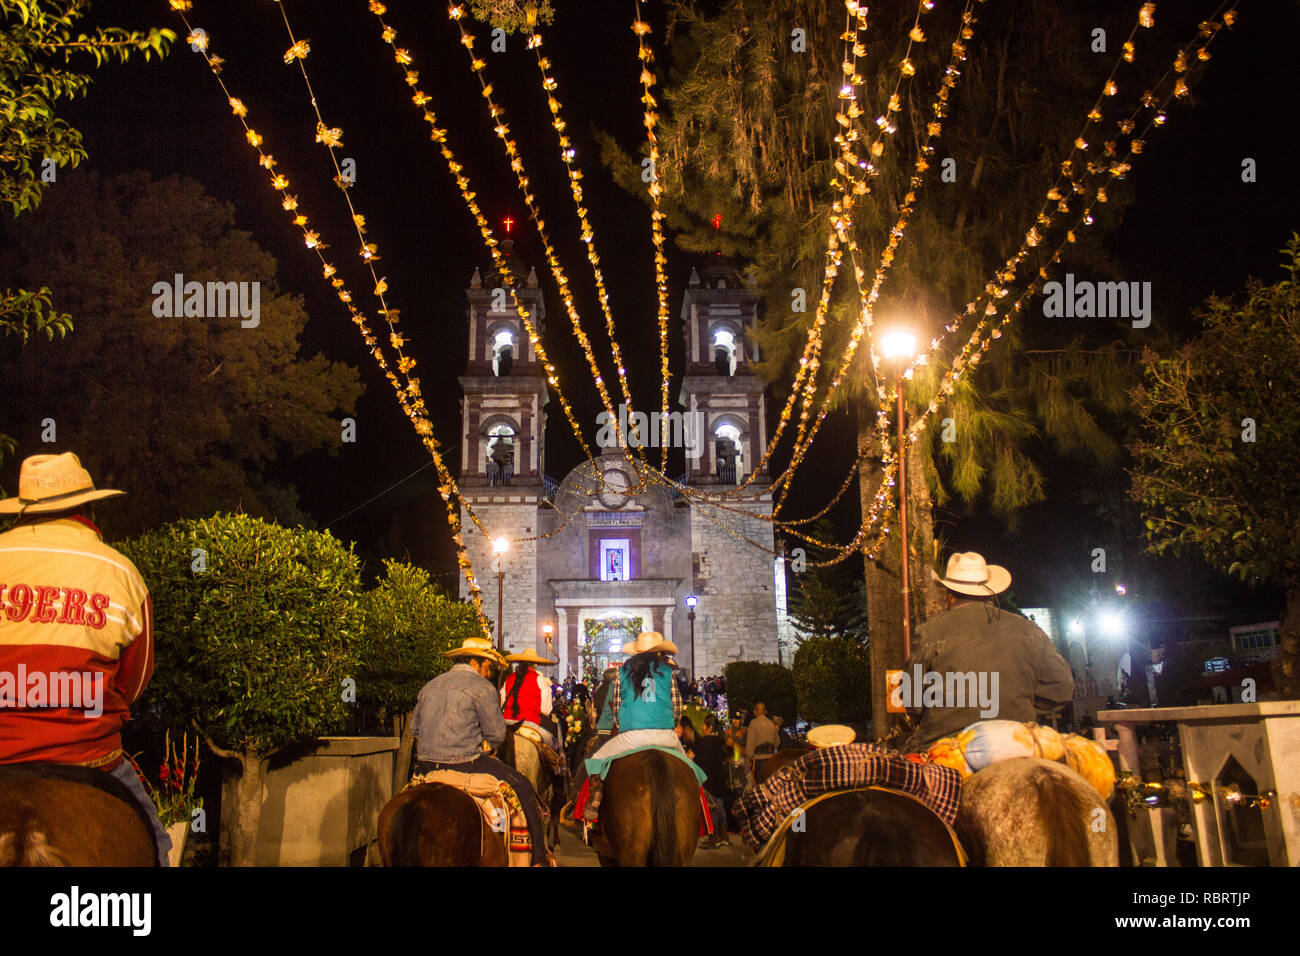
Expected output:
(691, 600)
(1120, 590)
(1075, 628)
(500, 546)
(898, 343)
(1112, 623)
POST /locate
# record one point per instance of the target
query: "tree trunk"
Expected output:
(1286, 668)
(246, 818)
(403, 728)
(883, 575)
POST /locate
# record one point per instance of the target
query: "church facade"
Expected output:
(610, 549)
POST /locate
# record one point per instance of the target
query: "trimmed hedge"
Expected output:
(833, 678)
(749, 682)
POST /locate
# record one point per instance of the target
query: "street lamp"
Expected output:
(691, 601)
(548, 635)
(898, 346)
(499, 547)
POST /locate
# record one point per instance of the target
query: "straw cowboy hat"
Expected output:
(476, 647)
(968, 573)
(529, 656)
(48, 483)
(831, 735)
(648, 642)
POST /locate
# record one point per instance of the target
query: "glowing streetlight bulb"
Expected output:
(500, 545)
(1075, 628)
(898, 343)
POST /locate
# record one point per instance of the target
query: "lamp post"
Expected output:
(499, 547)
(899, 345)
(548, 635)
(691, 601)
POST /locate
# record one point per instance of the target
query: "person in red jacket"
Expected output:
(76, 631)
(526, 694)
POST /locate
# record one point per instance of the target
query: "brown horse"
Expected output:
(650, 813)
(871, 827)
(782, 758)
(436, 825)
(54, 815)
(1033, 812)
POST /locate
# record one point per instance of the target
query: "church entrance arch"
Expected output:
(603, 637)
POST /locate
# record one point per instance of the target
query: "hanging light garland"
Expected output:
(409, 395)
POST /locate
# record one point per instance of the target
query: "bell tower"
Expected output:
(720, 388)
(502, 457)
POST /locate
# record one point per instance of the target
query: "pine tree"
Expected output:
(827, 601)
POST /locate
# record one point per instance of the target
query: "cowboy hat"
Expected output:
(968, 573)
(476, 647)
(831, 735)
(49, 483)
(529, 656)
(648, 642)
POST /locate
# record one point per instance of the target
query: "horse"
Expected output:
(522, 754)
(57, 815)
(782, 758)
(650, 813)
(871, 826)
(1027, 811)
(432, 824)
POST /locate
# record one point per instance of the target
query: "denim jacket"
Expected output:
(455, 713)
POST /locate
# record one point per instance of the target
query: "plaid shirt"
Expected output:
(760, 810)
(616, 698)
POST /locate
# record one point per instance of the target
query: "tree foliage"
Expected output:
(832, 676)
(1217, 469)
(828, 601)
(188, 415)
(253, 649)
(408, 623)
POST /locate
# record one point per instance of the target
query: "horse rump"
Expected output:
(1063, 813)
(436, 825)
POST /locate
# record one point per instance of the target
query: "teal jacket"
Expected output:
(655, 708)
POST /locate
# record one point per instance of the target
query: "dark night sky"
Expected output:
(1193, 229)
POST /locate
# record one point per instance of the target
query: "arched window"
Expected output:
(726, 444)
(503, 351)
(724, 351)
(500, 466)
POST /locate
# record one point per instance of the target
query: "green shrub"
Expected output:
(408, 622)
(833, 678)
(749, 682)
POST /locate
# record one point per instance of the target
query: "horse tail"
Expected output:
(663, 811)
(28, 846)
(1062, 814)
(404, 832)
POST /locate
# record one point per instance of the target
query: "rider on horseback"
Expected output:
(526, 699)
(458, 721)
(646, 704)
(79, 615)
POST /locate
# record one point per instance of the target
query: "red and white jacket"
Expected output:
(76, 643)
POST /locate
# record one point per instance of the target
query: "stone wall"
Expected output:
(512, 519)
(736, 616)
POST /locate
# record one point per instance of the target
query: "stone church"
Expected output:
(606, 551)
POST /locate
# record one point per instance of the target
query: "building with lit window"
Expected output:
(607, 550)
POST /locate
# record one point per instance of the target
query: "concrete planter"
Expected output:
(178, 832)
(1253, 749)
(321, 808)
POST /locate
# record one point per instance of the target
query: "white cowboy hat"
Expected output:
(529, 656)
(968, 573)
(48, 483)
(648, 641)
(831, 735)
(476, 647)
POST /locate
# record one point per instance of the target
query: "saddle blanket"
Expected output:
(761, 810)
(580, 804)
(497, 802)
(988, 741)
(599, 766)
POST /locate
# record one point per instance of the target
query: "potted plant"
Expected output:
(174, 796)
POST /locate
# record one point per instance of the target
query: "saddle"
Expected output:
(551, 759)
(497, 802)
